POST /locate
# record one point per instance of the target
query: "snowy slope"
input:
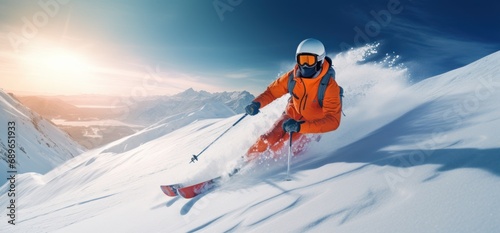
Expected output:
(407, 158)
(40, 145)
(169, 124)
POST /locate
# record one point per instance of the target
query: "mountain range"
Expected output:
(93, 125)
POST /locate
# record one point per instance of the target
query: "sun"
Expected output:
(64, 61)
(56, 69)
(56, 60)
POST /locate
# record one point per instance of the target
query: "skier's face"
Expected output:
(307, 72)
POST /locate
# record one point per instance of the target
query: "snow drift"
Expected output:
(407, 158)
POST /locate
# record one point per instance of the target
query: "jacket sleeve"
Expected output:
(332, 110)
(275, 90)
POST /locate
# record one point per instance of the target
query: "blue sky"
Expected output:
(226, 45)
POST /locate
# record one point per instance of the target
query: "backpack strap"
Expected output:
(324, 83)
(291, 83)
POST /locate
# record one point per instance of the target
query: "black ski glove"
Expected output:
(253, 108)
(292, 125)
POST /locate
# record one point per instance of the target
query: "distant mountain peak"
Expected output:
(155, 109)
(190, 90)
(191, 93)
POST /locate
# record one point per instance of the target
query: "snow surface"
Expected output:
(406, 158)
(40, 145)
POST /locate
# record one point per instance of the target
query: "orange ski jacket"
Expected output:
(304, 105)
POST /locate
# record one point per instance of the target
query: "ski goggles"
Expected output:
(307, 59)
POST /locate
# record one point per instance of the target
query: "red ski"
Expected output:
(189, 191)
(195, 189)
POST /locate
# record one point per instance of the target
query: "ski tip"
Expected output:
(169, 190)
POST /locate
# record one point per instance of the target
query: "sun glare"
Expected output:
(56, 61)
(64, 61)
(56, 70)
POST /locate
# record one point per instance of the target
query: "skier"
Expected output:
(314, 107)
(304, 114)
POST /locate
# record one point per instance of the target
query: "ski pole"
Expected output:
(289, 158)
(195, 157)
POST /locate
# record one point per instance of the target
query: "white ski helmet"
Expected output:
(311, 46)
